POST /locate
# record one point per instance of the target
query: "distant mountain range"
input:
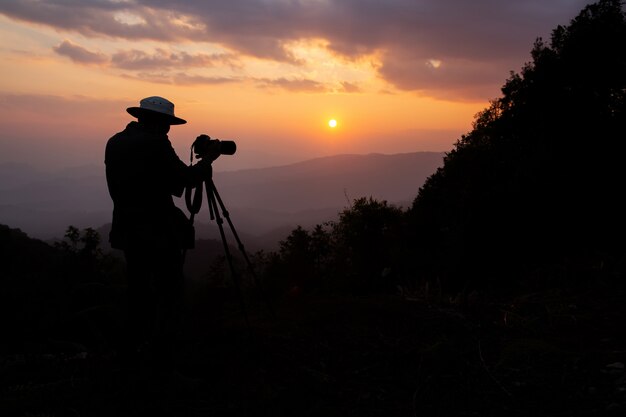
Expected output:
(264, 204)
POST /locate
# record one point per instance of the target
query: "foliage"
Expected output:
(86, 244)
(355, 254)
(538, 179)
(84, 256)
(46, 288)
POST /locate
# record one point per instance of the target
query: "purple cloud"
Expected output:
(79, 54)
(97, 18)
(163, 59)
(135, 59)
(476, 43)
(189, 79)
(294, 85)
(180, 78)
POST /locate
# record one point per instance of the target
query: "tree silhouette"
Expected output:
(357, 254)
(368, 237)
(49, 291)
(539, 178)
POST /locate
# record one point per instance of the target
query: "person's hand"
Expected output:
(204, 169)
(210, 148)
(213, 151)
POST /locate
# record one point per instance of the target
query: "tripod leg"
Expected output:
(229, 258)
(218, 199)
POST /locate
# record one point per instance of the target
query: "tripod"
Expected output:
(215, 203)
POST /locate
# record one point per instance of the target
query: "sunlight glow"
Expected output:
(332, 123)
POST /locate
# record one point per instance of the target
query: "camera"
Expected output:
(203, 142)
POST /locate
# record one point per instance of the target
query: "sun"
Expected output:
(332, 123)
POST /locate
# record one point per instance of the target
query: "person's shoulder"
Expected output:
(129, 130)
(119, 141)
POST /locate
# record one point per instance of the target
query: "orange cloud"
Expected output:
(347, 87)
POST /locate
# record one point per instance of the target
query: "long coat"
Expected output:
(143, 172)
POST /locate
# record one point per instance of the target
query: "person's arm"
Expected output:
(181, 175)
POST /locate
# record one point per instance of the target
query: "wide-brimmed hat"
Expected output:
(155, 105)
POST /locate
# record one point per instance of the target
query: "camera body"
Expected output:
(203, 142)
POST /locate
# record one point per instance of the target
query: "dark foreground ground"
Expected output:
(554, 353)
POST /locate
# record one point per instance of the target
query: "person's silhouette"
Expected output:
(143, 172)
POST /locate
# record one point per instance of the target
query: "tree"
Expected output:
(540, 175)
(368, 243)
(359, 253)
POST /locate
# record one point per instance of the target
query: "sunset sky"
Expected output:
(396, 75)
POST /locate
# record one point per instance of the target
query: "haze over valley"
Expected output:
(264, 204)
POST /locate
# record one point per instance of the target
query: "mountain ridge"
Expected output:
(260, 199)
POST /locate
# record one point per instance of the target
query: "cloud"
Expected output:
(79, 54)
(478, 41)
(347, 87)
(139, 60)
(294, 85)
(458, 79)
(188, 79)
(108, 18)
(180, 78)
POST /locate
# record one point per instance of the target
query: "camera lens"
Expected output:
(228, 147)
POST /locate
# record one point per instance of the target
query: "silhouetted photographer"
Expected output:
(143, 173)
